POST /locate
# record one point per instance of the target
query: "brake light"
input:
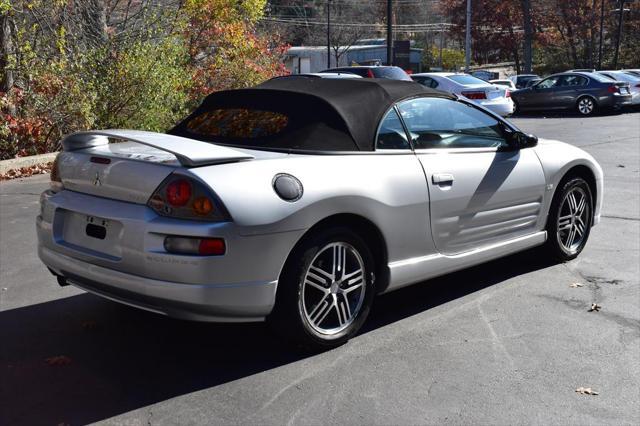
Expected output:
(370, 74)
(178, 192)
(475, 95)
(211, 246)
(183, 197)
(507, 93)
(613, 89)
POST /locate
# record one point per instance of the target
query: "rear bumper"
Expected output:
(237, 286)
(214, 302)
(615, 101)
(502, 107)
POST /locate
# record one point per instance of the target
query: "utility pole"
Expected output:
(389, 33)
(467, 40)
(601, 27)
(328, 33)
(441, 45)
(619, 37)
(528, 36)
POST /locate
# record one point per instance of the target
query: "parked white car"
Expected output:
(633, 80)
(506, 83)
(495, 98)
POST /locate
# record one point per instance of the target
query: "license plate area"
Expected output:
(92, 235)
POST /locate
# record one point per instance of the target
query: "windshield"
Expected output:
(466, 79)
(392, 73)
(600, 77)
(621, 76)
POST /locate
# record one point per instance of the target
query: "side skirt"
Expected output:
(410, 271)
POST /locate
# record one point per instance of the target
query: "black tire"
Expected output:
(558, 233)
(586, 106)
(516, 108)
(290, 316)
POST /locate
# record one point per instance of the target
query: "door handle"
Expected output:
(442, 178)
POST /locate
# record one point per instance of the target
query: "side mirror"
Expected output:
(521, 140)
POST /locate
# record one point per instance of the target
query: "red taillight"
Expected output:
(178, 193)
(638, 85)
(474, 95)
(507, 94)
(211, 247)
(183, 197)
(370, 74)
(613, 89)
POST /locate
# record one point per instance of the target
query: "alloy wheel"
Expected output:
(573, 219)
(585, 106)
(334, 288)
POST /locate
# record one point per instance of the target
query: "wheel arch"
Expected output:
(584, 172)
(365, 229)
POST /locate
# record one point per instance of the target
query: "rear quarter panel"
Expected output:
(388, 190)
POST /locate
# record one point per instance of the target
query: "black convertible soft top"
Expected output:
(326, 114)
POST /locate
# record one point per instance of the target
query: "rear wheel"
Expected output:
(569, 221)
(516, 107)
(326, 290)
(586, 105)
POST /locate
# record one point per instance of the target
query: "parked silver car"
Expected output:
(633, 80)
(492, 97)
(300, 199)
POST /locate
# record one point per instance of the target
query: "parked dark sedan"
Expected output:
(373, 71)
(585, 92)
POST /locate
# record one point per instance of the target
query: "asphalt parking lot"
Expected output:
(503, 343)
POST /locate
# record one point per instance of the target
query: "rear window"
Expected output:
(257, 121)
(601, 78)
(466, 79)
(391, 73)
(238, 123)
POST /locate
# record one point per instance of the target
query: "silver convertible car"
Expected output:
(297, 201)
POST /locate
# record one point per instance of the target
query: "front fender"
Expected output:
(557, 158)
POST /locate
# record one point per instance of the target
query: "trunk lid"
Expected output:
(133, 168)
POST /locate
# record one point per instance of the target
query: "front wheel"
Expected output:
(570, 218)
(326, 290)
(586, 106)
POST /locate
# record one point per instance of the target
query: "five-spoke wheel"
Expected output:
(333, 288)
(326, 289)
(569, 221)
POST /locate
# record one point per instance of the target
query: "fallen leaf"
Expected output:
(58, 360)
(574, 285)
(595, 307)
(586, 391)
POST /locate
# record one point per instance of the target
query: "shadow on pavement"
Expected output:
(122, 359)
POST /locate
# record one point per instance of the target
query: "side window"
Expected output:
(391, 134)
(573, 80)
(548, 83)
(433, 84)
(445, 123)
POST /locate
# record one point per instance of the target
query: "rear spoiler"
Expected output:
(189, 152)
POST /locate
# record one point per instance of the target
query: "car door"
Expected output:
(542, 95)
(568, 88)
(480, 192)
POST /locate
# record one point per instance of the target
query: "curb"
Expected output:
(18, 163)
